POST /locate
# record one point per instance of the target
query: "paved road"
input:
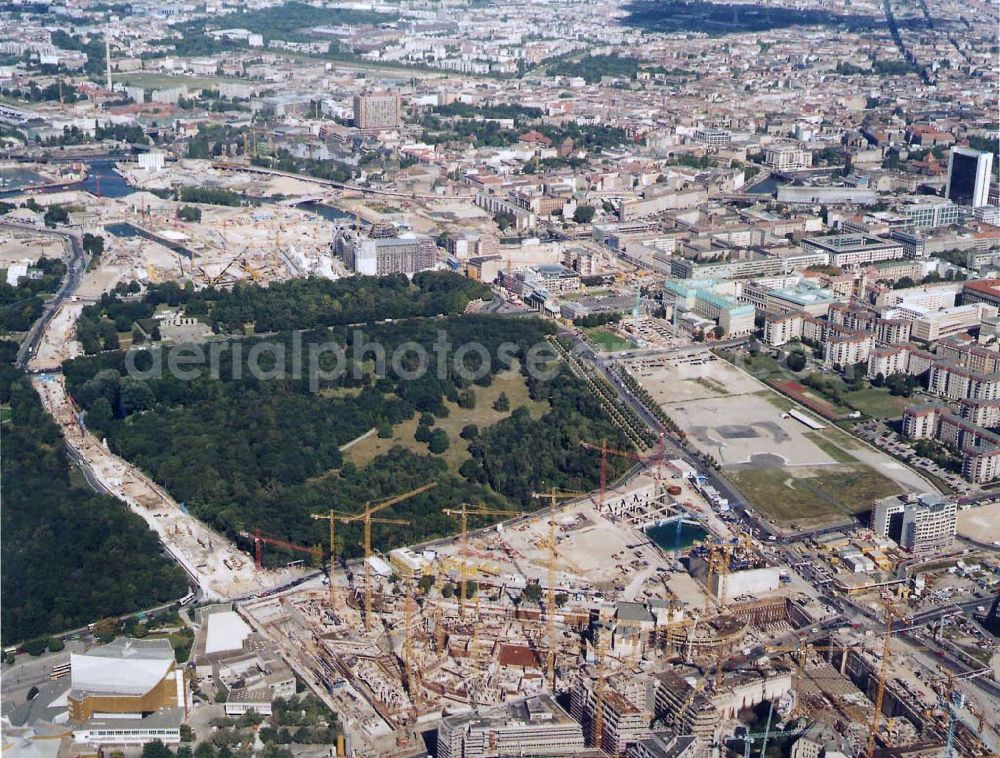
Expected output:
(76, 267)
(673, 448)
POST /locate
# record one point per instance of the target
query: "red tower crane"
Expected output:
(605, 451)
(259, 539)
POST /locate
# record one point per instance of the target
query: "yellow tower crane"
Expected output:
(412, 671)
(550, 600)
(602, 677)
(366, 517)
(331, 516)
(890, 616)
(463, 513)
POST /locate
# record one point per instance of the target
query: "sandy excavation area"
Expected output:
(221, 571)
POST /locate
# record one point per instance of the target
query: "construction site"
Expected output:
(578, 602)
(642, 609)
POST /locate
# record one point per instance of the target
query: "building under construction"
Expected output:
(383, 249)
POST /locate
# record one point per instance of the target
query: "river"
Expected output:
(102, 180)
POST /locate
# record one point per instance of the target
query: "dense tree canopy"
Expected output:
(295, 304)
(70, 556)
(245, 452)
(20, 305)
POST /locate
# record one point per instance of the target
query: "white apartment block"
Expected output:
(888, 360)
(979, 446)
(854, 250)
(847, 349)
(780, 329)
(957, 383)
(787, 158)
(934, 325)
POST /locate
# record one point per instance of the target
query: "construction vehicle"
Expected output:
(259, 539)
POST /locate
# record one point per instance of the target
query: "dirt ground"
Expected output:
(981, 524)
(727, 414)
(17, 246)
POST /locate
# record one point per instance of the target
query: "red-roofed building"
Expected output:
(982, 291)
(535, 138)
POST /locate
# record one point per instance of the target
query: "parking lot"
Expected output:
(887, 439)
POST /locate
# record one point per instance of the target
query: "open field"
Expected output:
(510, 382)
(788, 472)
(981, 524)
(877, 402)
(608, 341)
(872, 401)
(150, 80)
(18, 246)
(811, 497)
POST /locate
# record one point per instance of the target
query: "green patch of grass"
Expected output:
(157, 81)
(76, 477)
(712, 385)
(340, 391)
(607, 340)
(877, 402)
(808, 498)
(5, 414)
(829, 447)
(780, 402)
(483, 415)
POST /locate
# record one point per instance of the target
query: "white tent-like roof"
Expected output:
(124, 667)
(226, 631)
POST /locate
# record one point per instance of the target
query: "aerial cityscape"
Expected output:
(476, 379)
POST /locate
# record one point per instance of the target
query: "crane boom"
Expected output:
(365, 516)
(367, 519)
(463, 513)
(550, 593)
(259, 538)
(890, 614)
(605, 451)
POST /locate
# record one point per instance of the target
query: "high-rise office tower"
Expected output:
(969, 173)
(377, 110)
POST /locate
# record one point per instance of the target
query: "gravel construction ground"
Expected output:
(790, 473)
